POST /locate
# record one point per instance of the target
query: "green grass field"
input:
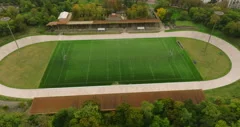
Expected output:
(212, 64)
(24, 68)
(124, 61)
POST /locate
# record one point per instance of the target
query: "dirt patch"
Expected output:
(49, 105)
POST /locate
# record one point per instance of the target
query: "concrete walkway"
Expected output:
(231, 51)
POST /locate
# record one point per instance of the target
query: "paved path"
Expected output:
(231, 51)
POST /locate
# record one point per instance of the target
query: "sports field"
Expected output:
(123, 61)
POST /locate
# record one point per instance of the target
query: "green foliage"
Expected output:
(169, 114)
(228, 23)
(88, 12)
(184, 16)
(137, 11)
(134, 118)
(88, 116)
(232, 28)
(163, 3)
(161, 13)
(147, 110)
(113, 5)
(12, 11)
(200, 15)
(221, 123)
(160, 122)
(10, 119)
(158, 107)
(63, 117)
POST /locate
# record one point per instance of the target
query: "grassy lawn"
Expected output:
(213, 64)
(202, 28)
(121, 61)
(24, 68)
(184, 23)
(226, 92)
(5, 98)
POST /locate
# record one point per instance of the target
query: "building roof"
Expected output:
(127, 21)
(98, 22)
(63, 15)
(108, 102)
(79, 22)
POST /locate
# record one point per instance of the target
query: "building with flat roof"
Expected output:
(234, 3)
(231, 3)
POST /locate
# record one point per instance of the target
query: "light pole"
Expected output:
(219, 13)
(6, 19)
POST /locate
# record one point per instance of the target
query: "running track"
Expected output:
(232, 52)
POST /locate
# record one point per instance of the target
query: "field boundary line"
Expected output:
(131, 69)
(119, 59)
(172, 70)
(130, 80)
(185, 63)
(62, 67)
(107, 64)
(50, 62)
(89, 62)
(150, 67)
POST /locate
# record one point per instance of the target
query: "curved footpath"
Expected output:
(232, 52)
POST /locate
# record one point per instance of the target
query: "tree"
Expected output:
(210, 114)
(137, 11)
(134, 118)
(214, 19)
(159, 122)
(20, 23)
(63, 117)
(76, 11)
(233, 29)
(26, 5)
(185, 116)
(88, 116)
(221, 123)
(10, 119)
(36, 120)
(237, 124)
(190, 3)
(147, 109)
(158, 107)
(12, 12)
(184, 15)
(163, 3)
(161, 13)
(200, 15)
(113, 5)
(52, 18)
(121, 113)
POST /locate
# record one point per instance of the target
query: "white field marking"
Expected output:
(150, 67)
(50, 62)
(185, 63)
(120, 73)
(169, 61)
(131, 68)
(63, 63)
(89, 62)
(107, 64)
(158, 79)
